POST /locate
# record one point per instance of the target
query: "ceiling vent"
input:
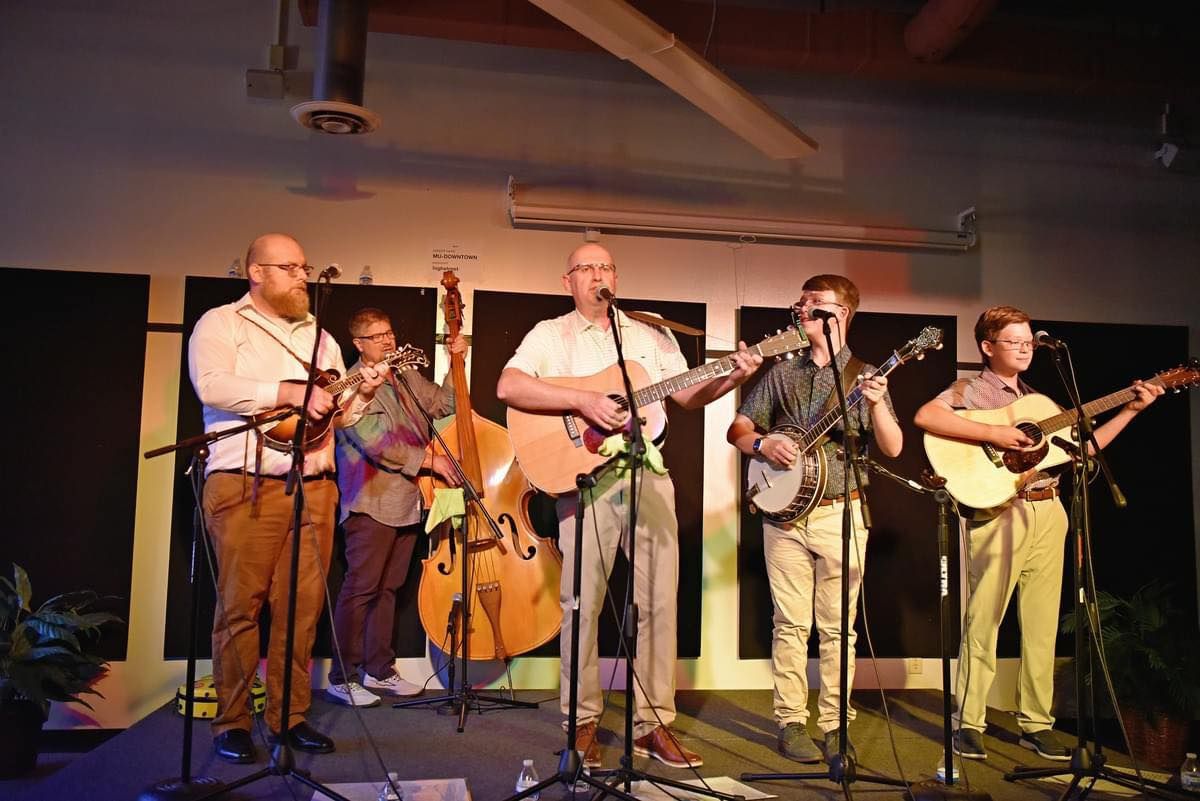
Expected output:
(336, 107)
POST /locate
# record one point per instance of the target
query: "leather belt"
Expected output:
(328, 475)
(831, 501)
(1043, 494)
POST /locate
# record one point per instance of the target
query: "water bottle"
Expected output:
(1189, 774)
(386, 793)
(940, 773)
(527, 778)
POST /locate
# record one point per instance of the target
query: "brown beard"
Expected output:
(290, 304)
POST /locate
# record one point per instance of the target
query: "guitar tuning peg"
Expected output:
(920, 357)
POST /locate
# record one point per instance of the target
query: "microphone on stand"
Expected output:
(821, 314)
(455, 612)
(605, 294)
(1044, 340)
(331, 272)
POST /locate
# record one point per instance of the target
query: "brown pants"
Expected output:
(253, 562)
(377, 560)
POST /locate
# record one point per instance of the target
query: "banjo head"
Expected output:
(784, 495)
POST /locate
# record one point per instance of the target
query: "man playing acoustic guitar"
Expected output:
(1022, 545)
(804, 557)
(580, 343)
(245, 358)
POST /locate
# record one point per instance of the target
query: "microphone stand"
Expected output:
(464, 698)
(842, 769)
(187, 786)
(1088, 644)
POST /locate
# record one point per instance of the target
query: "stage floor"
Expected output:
(732, 730)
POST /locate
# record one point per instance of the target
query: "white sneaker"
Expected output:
(392, 685)
(352, 694)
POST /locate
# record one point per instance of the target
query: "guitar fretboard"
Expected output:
(723, 366)
(401, 359)
(853, 398)
(1068, 418)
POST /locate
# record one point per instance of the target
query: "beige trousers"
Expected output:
(656, 585)
(1022, 547)
(804, 567)
(254, 553)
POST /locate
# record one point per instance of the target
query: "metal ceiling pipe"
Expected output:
(341, 51)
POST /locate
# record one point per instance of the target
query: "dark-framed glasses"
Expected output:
(291, 269)
(382, 336)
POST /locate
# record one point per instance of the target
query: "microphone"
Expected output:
(604, 293)
(331, 272)
(821, 314)
(1070, 447)
(1044, 340)
(455, 611)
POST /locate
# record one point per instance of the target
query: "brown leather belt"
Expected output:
(328, 475)
(1043, 494)
(831, 501)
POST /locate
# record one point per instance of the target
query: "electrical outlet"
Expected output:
(913, 665)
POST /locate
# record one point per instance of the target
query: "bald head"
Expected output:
(588, 253)
(264, 249)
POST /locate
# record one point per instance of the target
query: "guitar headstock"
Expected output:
(783, 342)
(407, 358)
(1181, 377)
(930, 338)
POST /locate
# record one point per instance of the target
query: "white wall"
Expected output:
(129, 146)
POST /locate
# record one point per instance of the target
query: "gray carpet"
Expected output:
(732, 730)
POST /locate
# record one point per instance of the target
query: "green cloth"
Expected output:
(447, 505)
(617, 444)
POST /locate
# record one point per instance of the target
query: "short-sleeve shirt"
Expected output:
(988, 391)
(795, 392)
(572, 345)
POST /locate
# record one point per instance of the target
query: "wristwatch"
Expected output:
(757, 446)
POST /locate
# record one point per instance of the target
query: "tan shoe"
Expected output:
(663, 745)
(587, 742)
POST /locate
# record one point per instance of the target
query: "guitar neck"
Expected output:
(723, 366)
(853, 398)
(1112, 401)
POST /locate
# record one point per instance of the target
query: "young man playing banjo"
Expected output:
(804, 557)
(1022, 545)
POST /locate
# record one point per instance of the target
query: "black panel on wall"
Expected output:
(1153, 537)
(901, 582)
(499, 323)
(413, 312)
(69, 480)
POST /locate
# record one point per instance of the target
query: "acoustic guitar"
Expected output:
(984, 476)
(279, 437)
(555, 447)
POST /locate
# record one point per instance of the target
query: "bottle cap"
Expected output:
(529, 762)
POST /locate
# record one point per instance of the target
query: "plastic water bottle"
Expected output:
(940, 773)
(386, 793)
(1189, 774)
(527, 778)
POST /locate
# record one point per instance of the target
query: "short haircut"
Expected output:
(840, 286)
(993, 321)
(364, 318)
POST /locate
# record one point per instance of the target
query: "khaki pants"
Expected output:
(656, 586)
(253, 562)
(804, 567)
(1022, 547)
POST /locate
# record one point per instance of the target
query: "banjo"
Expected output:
(785, 495)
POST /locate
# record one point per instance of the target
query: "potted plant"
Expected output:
(46, 654)
(1153, 652)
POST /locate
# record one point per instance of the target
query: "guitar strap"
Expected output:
(854, 366)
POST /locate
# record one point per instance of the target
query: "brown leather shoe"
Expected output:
(663, 745)
(587, 742)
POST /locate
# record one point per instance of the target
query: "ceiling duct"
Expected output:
(336, 107)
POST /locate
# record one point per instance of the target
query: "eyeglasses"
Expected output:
(290, 269)
(802, 305)
(601, 267)
(1015, 344)
(382, 336)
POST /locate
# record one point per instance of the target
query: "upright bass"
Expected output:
(512, 580)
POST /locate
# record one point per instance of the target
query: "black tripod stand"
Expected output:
(842, 769)
(464, 698)
(1087, 764)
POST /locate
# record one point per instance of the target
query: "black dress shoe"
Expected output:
(234, 746)
(303, 737)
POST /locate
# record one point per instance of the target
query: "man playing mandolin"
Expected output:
(804, 558)
(1022, 545)
(378, 460)
(241, 358)
(580, 343)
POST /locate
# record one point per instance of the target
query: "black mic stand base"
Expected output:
(179, 790)
(1093, 766)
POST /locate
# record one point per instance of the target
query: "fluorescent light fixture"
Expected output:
(526, 214)
(632, 36)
